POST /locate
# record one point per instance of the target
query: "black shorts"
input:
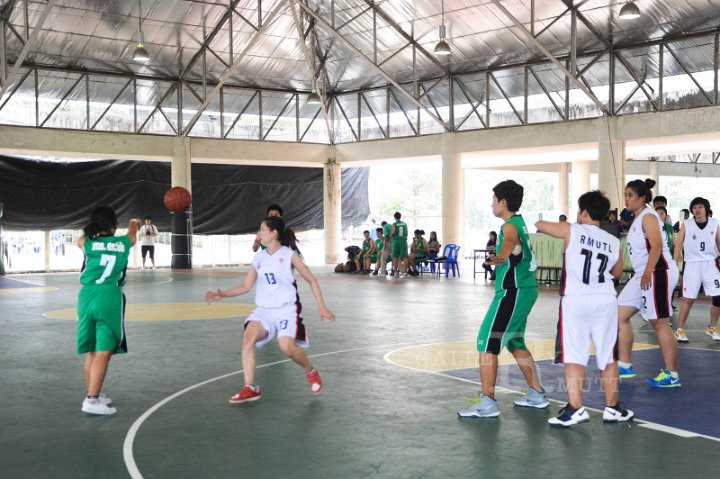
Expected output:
(145, 249)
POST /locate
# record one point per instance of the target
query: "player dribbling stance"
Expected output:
(278, 306)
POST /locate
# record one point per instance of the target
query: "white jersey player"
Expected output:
(278, 305)
(697, 245)
(588, 308)
(650, 289)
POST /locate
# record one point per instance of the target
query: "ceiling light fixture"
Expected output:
(141, 54)
(442, 48)
(313, 98)
(629, 11)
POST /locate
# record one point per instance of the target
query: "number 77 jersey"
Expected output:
(589, 256)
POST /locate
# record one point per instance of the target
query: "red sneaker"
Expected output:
(316, 384)
(246, 394)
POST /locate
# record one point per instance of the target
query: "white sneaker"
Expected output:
(713, 333)
(680, 336)
(618, 413)
(95, 406)
(104, 399)
(569, 417)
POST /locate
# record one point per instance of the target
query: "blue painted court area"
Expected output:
(689, 408)
(9, 283)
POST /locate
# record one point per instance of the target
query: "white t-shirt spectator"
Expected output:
(148, 234)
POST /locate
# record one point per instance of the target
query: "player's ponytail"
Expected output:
(102, 220)
(286, 236)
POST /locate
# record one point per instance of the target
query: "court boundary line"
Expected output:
(128, 456)
(640, 422)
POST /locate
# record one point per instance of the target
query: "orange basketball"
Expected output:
(177, 199)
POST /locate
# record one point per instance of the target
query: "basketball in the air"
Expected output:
(177, 199)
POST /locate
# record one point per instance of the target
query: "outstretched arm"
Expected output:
(307, 275)
(132, 230)
(242, 288)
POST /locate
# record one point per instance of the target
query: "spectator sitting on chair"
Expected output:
(418, 252)
(490, 246)
(433, 246)
(362, 261)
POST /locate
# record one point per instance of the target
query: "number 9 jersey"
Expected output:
(589, 256)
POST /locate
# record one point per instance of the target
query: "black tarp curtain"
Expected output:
(227, 199)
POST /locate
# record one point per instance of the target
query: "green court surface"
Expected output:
(388, 409)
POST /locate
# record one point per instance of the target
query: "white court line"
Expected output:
(132, 432)
(640, 422)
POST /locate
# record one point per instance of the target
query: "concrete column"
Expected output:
(611, 162)
(181, 163)
(580, 179)
(453, 192)
(654, 174)
(181, 223)
(332, 210)
(562, 197)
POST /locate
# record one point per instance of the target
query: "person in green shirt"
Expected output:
(362, 261)
(667, 227)
(376, 257)
(101, 302)
(515, 294)
(399, 235)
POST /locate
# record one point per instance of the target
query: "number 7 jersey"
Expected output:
(589, 256)
(106, 259)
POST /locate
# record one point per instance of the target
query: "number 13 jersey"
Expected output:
(275, 285)
(589, 256)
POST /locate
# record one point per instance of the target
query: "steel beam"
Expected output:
(26, 49)
(224, 77)
(534, 41)
(403, 33)
(378, 70)
(310, 60)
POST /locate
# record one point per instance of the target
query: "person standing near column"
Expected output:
(148, 235)
(387, 247)
(698, 245)
(272, 210)
(399, 236)
(650, 289)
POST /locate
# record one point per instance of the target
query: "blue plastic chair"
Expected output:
(450, 252)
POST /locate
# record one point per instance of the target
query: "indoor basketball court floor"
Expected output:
(397, 364)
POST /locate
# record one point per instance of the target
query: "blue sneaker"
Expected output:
(482, 406)
(627, 373)
(664, 380)
(533, 399)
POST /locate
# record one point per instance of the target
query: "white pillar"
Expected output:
(181, 163)
(611, 162)
(562, 197)
(655, 175)
(453, 192)
(580, 179)
(332, 210)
